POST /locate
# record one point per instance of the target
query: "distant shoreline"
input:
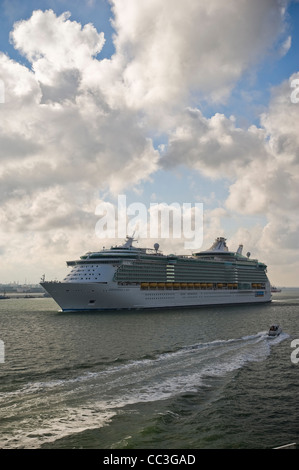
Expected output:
(22, 295)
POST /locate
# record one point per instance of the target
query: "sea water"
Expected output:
(201, 378)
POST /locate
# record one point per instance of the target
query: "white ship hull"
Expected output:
(112, 296)
(126, 277)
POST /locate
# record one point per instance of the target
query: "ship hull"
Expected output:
(111, 296)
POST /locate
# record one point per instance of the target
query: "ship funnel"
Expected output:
(239, 251)
(219, 245)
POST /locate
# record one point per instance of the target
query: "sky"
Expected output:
(161, 101)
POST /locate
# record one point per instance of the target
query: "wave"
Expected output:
(98, 395)
(218, 348)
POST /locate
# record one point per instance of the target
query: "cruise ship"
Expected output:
(129, 277)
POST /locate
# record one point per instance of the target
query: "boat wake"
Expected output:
(164, 376)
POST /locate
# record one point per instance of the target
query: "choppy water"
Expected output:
(183, 379)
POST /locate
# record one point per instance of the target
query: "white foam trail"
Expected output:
(33, 435)
(140, 381)
(215, 346)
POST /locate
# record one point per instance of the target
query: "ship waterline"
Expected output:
(126, 277)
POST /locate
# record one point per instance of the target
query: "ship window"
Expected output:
(92, 301)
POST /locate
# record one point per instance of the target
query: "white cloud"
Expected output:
(54, 44)
(285, 47)
(75, 124)
(214, 146)
(271, 183)
(172, 48)
(60, 140)
(60, 130)
(261, 166)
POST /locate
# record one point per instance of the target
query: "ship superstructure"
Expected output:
(128, 277)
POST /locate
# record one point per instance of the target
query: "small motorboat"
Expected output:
(275, 289)
(274, 330)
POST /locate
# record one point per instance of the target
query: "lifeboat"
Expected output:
(153, 285)
(183, 285)
(169, 285)
(144, 285)
(230, 286)
(219, 285)
(161, 285)
(176, 285)
(209, 285)
(203, 285)
(197, 285)
(190, 285)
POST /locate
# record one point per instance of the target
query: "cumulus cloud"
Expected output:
(213, 146)
(73, 123)
(172, 48)
(61, 131)
(54, 44)
(278, 181)
(260, 165)
(273, 179)
(61, 142)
